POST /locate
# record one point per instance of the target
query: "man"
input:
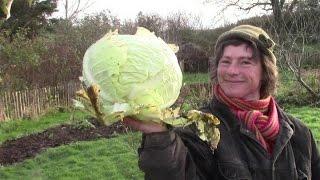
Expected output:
(258, 139)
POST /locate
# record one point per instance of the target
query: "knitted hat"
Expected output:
(252, 34)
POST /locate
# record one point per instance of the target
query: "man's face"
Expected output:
(239, 75)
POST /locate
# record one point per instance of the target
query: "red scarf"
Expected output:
(259, 116)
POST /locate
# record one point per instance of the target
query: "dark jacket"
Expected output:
(180, 154)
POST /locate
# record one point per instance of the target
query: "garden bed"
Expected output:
(17, 150)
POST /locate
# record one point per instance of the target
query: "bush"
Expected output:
(290, 92)
(20, 57)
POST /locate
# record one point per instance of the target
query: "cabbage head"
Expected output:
(137, 75)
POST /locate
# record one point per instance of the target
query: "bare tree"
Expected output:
(293, 51)
(176, 23)
(73, 7)
(153, 22)
(277, 7)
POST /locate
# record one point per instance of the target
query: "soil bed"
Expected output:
(17, 150)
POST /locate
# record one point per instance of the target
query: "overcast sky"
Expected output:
(128, 9)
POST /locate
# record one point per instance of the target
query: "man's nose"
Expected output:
(233, 69)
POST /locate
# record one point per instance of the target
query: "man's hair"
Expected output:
(269, 68)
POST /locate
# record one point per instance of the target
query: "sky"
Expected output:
(209, 14)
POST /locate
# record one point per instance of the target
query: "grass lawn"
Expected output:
(17, 128)
(310, 116)
(114, 158)
(189, 78)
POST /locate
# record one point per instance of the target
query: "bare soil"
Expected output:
(17, 150)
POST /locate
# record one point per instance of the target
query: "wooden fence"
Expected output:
(32, 103)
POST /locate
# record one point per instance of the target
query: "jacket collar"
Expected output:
(286, 131)
(232, 123)
(224, 114)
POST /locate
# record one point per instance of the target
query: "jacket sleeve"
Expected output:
(164, 156)
(315, 160)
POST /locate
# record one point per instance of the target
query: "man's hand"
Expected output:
(145, 127)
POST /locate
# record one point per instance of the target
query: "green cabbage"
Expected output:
(137, 74)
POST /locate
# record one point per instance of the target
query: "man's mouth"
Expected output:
(233, 81)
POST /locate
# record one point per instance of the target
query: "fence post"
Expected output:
(32, 103)
(2, 112)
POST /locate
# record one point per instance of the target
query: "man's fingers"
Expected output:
(146, 127)
(135, 124)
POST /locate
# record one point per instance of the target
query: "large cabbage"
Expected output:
(137, 75)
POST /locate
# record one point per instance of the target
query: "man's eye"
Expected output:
(224, 61)
(246, 62)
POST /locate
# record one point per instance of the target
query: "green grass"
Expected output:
(286, 81)
(17, 128)
(114, 158)
(189, 78)
(291, 92)
(313, 48)
(310, 116)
